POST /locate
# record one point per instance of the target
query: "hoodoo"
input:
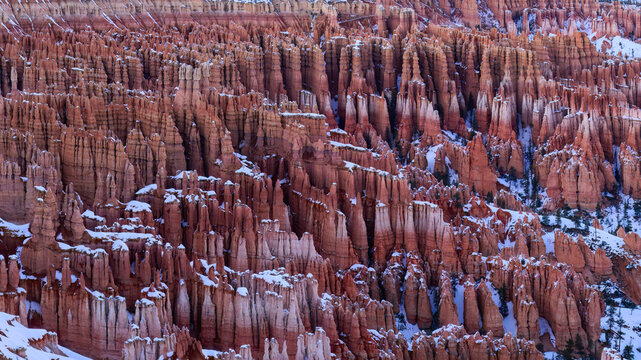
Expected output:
(272, 179)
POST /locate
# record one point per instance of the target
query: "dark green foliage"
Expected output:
(637, 209)
(444, 177)
(489, 198)
(503, 309)
(545, 219)
(569, 350)
(578, 345)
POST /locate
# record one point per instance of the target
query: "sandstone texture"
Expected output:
(318, 179)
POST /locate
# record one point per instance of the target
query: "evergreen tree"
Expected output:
(435, 318)
(609, 325)
(400, 321)
(626, 207)
(457, 199)
(620, 323)
(545, 220)
(637, 209)
(503, 309)
(537, 203)
(591, 349)
(569, 350)
(578, 345)
(474, 122)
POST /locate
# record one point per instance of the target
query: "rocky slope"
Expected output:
(313, 180)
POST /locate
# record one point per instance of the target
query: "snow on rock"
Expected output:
(459, 300)
(20, 342)
(110, 237)
(8, 228)
(88, 214)
(545, 328)
(138, 206)
(619, 46)
(509, 322)
(276, 277)
(431, 157)
(242, 291)
(548, 240)
(405, 328)
(147, 189)
(119, 245)
(629, 336)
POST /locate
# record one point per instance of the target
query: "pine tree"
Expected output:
(503, 309)
(457, 199)
(475, 125)
(435, 318)
(637, 209)
(620, 325)
(610, 325)
(578, 345)
(545, 220)
(569, 350)
(591, 349)
(626, 207)
(489, 198)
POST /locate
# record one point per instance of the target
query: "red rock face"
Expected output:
(308, 180)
